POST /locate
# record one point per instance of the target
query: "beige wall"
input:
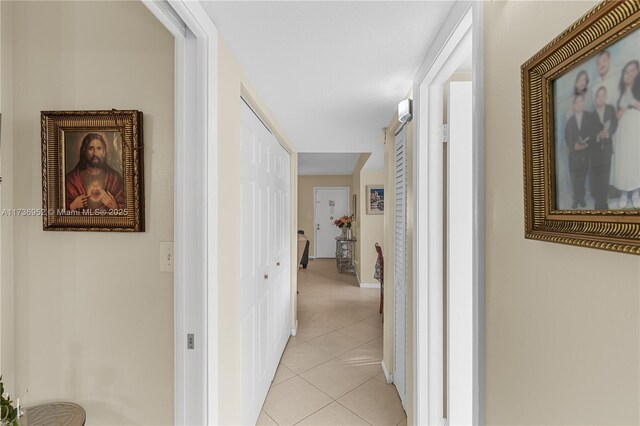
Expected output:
(232, 84)
(562, 322)
(357, 215)
(371, 228)
(6, 194)
(306, 184)
(93, 315)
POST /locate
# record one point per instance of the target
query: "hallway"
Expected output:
(330, 372)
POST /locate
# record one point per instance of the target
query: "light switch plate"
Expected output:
(166, 256)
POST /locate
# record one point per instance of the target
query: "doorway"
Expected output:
(329, 205)
(196, 214)
(448, 299)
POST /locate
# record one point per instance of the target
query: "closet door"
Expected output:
(257, 215)
(265, 259)
(285, 258)
(283, 248)
(400, 275)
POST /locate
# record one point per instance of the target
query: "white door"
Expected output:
(330, 204)
(264, 242)
(400, 274)
(282, 249)
(460, 255)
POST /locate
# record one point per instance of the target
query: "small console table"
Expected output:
(345, 253)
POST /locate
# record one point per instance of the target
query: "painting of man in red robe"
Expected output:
(93, 184)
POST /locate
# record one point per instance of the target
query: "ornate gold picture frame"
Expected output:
(581, 165)
(92, 171)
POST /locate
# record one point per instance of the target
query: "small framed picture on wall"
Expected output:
(92, 171)
(375, 202)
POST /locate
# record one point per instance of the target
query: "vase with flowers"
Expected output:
(9, 415)
(344, 223)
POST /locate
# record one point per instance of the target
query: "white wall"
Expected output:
(93, 314)
(562, 322)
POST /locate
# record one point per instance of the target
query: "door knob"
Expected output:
(266, 276)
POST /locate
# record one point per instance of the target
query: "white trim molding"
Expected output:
(370, 285)
(294, 330)
(388, 376)
(195, 209)
(461, 32)
(478, 215)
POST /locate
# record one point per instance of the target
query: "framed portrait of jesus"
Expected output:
(92, 171)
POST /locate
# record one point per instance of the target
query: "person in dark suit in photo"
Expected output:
(580, 135)
(600, 152)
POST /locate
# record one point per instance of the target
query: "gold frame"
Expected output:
(614, 230)
(369, 188)
(129, 124)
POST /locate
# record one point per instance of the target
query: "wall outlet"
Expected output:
(166, 256)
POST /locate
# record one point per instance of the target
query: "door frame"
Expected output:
(196, 193)
(462, 31)
(315, 219)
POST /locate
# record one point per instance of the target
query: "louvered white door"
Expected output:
(400, 274)
(264, 253)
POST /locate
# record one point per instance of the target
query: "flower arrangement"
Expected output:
(8, 414)
(344, 221)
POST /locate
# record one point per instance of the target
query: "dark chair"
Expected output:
(305, 255)
(379, 275)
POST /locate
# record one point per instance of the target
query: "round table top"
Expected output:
(55, 414)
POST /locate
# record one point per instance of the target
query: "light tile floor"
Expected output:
(330, 372)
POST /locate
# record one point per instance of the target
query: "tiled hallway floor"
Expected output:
(330, 372)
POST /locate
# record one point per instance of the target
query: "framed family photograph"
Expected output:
(92, 171)
(581, 128)
(375, 204)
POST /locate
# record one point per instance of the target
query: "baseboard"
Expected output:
(370, 285)
(387, 376)
(294, 330)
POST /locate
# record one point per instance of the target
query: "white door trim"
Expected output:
(196, 209)
(462, 30)
(315, 219)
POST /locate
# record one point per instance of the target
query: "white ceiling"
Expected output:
(332, 73)
(312, 164)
